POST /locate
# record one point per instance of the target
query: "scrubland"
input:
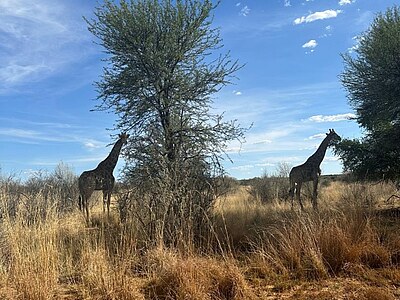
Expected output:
(349, 249)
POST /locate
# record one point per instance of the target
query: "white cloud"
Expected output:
(31, 136)
(46, 134)
(237, 93)
(287, 3)
(243, 168)
(310, 44)
(271, 140)
(73, 161)
(353, 48)
(266, 164)
(317, 136)
(38, 38)
(331, 118)
(31, 124)
(93, 144)
(14, 73)
(262, 142)
(319, 15)
(344, 2)
(19, 133)
(331, 158)
(245, 11)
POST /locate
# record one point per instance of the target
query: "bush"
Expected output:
(270, 188)
(40, 195)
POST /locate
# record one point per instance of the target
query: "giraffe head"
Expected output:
(124, 137)
(333, 136)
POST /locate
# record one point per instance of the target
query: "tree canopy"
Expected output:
(372, 79)
(165, 62)
(161, 75)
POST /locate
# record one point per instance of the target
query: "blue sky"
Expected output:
(288, 89)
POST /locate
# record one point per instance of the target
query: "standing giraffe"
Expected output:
(100, 178)
(310, 170)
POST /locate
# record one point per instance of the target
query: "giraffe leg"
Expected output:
(108, 203)
(104, 202)
(85, 203)
(86, 208)
(291, 193)
(298, 189)
(315, 193)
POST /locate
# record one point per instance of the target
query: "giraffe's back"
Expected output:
(303, 173)
(96, 179)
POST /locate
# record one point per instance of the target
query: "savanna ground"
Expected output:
(349, 249)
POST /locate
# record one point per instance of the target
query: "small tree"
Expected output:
(372, 79)
(164, 65)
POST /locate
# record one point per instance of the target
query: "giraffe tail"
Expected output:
(80, 202)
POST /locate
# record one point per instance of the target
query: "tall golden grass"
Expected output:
(258, 250)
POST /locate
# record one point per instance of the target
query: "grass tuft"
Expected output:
(256, 250)
(198, 278)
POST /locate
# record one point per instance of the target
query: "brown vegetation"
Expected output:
(350, 249)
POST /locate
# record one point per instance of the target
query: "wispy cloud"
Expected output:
(29, 123)
(277, 104)
(317, 136)
(331, 118)
(92, 144)
(275, 139)
(37, 38)
(34, 136)
(319, 15)
(14, 73)
(287, 3)
(328, 31)
(45, 134)
(21, 133)
(72, 161)
(243, 168)
(245, 11)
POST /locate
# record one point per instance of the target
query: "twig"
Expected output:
(393, 196)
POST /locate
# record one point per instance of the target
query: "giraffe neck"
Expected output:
(318, 156)
(111, 160)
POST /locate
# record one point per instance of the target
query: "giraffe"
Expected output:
(100, 178)
(310, 170)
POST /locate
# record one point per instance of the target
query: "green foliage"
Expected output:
(374, 157)
(163, 69)
(164, 64)
(372, 80)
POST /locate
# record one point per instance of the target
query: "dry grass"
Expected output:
(194, 277)
(348, 250)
